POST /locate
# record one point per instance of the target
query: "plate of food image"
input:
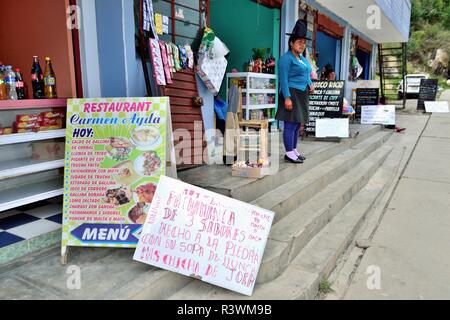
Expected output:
(146, 137)
(118, 196)
(119, 148)
(144, 193)
(148, 164)
(138, 214)
(126, 175)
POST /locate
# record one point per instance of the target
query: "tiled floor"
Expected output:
(30, 221)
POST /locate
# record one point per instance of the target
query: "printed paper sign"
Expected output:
(199, 233)
(436, 106)
(381, 114)
(332, 128)
(115, 155)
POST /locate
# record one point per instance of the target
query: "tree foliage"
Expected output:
(430, 30)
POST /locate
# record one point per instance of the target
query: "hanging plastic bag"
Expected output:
(221, 108)
(207, 42)
(219, 49)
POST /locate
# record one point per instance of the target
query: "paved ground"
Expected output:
(410, 250)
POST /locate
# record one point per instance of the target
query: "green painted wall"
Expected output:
(243, 25)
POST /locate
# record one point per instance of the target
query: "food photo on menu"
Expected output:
(136, 169)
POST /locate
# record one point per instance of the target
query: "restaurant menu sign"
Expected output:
(201, 234)
(326, 102)
(428, 92)
(115, 156)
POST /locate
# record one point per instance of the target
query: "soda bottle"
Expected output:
(20, 85)
(3, 91)
(37, 79)
(10, 79)
(50, 80)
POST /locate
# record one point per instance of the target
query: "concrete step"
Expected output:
(315, 262)
(218, 179)
(298, 189)
(292, 233)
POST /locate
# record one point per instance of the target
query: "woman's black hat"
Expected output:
(300, 30)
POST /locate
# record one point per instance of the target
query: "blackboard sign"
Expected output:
(428, 92)
(326, 102)
(366, 97)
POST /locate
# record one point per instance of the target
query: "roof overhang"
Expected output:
(394, 17)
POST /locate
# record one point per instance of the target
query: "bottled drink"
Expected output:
(250, 65)
(10, 79)
(3, 92)
(37, 79)
(50, 80)
(20, 85)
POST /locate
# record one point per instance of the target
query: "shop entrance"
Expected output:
(329, 50)
(364, 61)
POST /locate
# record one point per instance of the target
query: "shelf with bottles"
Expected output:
(262, 61)
(12, 85)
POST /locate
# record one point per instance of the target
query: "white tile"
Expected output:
(45, 211)
(34, 229)
(9, 213)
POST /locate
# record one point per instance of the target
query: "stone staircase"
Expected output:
(317, 215)
(319, 207)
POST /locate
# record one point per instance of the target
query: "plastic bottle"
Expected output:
(20, 85)
(37, 79)
(50, 80)
(10, 80)
(3, 91)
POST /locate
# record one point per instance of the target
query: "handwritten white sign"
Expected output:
(436, 106)
(199, 233)
(380, 114)
(332, 128)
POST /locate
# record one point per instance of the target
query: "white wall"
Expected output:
(90, 68)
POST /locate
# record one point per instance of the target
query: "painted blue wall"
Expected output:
(327, 48)
(111, 49)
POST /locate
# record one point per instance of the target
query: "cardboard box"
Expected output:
(248, 172)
